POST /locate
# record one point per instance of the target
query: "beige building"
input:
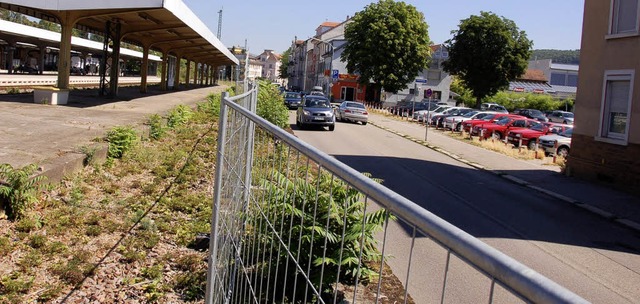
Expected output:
(270, 65)
(606, 138)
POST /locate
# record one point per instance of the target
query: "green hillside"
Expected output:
(558, 56)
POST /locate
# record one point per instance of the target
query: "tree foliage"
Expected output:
(486, 53)
(558, 56)
(284, 67)
(388, 43)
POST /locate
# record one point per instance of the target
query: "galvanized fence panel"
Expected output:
(292, 224)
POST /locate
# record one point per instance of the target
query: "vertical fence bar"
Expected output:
(213, 238)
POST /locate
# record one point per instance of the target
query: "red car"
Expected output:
(468, 125)
(529, 137)
(502, 126)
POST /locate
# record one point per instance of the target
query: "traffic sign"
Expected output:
(421, 80)
(334, 74)
(429, 92)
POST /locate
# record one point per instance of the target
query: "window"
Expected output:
(624, 17)
(616, 105)
(557, 79)
(572, 80)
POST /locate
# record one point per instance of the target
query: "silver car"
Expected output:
(315, 110)
(352, 111)
(561, 117)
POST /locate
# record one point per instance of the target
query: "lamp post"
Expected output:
(330, 61)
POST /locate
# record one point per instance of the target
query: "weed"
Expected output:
(154, 291)
(55, 247)
(121, 140)
(5, 245)
(28, 224)
(75, 269)
(19, 192)
(179, 116)
(191, 284)
(89, 154)
(37, 241)
(153, 273)
(93, 230)
(49, 293)
(156, 129)
(32, 259)
(15, 283)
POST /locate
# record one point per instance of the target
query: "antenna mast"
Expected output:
(220, 23)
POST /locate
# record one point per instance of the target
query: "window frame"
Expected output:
(612, 19)
(603, 128)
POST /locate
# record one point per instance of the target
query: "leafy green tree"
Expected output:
(284, 73)
(50, 26)
(558, 56)
(388, 43)
(465, 95)
(487, 52)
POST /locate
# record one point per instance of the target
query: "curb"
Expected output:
(595, 210)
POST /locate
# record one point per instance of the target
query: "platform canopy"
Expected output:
(162, 25)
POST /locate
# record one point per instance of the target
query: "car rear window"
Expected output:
(355, 105)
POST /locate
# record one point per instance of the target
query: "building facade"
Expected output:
(270, 65)
(606, 139)
(563, 78)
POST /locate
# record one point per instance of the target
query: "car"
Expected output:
(352, 111)
(436, 119)
(502, 126)
(558, 144)
(406, 109)
(497, 108)
(455, 122)
(315, 110)
(529, 137)
(532, 113)
(292, 99)
(457, 113)
(485, 106)
(561, 117)
(425, 115)
(468, 125)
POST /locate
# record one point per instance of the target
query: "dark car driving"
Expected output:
(292, 99)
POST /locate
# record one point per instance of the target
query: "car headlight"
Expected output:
(306, 112)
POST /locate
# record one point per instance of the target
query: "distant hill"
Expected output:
(557, 56)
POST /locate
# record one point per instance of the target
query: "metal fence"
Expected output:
(292, 224)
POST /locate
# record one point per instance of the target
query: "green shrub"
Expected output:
(15, 283)
(271, 105)
(210, 107)
(179, 116)
(37, 241)
(121, 140)
(156, 129)
(28, 224)
(18, 191)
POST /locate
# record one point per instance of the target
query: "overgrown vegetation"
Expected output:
(121, 140)
(271, 105)
(18, 189)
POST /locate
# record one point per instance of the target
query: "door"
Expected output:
(347, 94)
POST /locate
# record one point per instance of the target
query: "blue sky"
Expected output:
(551, 24)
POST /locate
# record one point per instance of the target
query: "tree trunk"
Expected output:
(478, 102)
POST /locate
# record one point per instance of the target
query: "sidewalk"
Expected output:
(611, 204)
(53, 136)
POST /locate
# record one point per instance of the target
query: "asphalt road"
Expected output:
(588, 255)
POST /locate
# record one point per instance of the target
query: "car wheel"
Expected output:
(496, 135)
(563, 151)
(364, 123)
(532, 145)
(332, 127)
(565, 122)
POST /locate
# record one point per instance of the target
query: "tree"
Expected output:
(284, 66)
(388, 44)
(486, 53)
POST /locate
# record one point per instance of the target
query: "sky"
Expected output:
(273, 25)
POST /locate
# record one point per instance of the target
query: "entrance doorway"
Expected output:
(347, 94)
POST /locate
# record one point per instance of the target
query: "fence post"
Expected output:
(213, 237)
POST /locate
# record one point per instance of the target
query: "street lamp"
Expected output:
(330, 44)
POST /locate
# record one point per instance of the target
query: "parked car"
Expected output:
(497, 108)
(558, 144)
(485, 105)
(424, 115)
(407, 109)
(502, 126)
(561, 117)
(531, 113)
(352, 111)
(436, 119)
(455, 122)
(529, 137)
(448, 124)
(292, 99)
(315, 110)
(468, 125)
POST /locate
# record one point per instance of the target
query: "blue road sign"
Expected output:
(334, 74)
(421, 80)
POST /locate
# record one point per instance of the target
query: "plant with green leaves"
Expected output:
(486, 53)
(156, 128)
(18, 189)
(121, 140)
(271, 105)
(329, 244)
(179, 116)
(388, 43)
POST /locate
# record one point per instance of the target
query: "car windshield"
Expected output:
(567, 114)
(440, 109)
(538, 127)
(355, 105)
(470, 114)
(488, 116)
(317, 103)
(503, 121)
(292, 95)
(535, 113)
(567, 132)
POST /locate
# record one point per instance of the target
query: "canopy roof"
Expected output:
(167, 26)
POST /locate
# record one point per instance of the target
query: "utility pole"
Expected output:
(220, 23)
